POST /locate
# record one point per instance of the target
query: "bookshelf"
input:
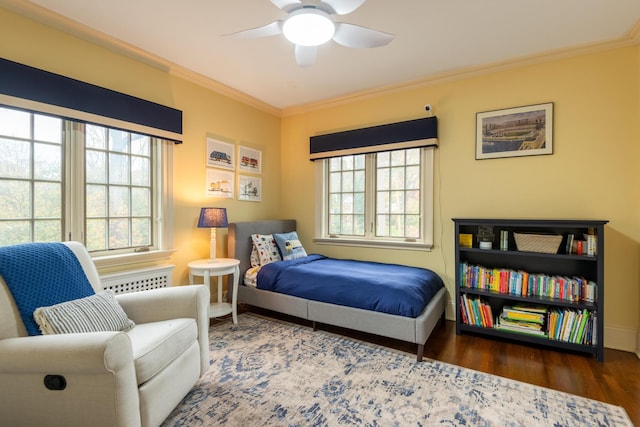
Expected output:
(519, 268)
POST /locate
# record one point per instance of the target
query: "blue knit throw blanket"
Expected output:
(40, 275)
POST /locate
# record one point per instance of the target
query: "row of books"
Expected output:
(568, 325)
(475, 312)
(520, 282)
(574, 326)
(588, 246)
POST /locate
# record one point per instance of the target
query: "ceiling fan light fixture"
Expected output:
(308, 27)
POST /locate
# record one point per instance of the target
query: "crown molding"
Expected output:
(84, 32)
(630, 39)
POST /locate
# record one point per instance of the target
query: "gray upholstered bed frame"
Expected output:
(415, 330)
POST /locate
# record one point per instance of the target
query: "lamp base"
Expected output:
(212, 245)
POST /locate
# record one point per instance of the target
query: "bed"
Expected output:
(412, 329)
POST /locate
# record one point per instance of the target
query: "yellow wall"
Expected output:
(205, 112)
(592, 173)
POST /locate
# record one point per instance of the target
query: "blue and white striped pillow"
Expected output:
(99, 312)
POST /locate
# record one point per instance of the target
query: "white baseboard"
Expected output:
(617, 338)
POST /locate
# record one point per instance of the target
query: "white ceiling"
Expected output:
(433, 37)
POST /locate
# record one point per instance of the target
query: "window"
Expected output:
(122, 189)
(378, 199)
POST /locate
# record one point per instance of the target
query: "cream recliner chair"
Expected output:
(110, 378)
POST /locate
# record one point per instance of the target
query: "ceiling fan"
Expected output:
(310, 24)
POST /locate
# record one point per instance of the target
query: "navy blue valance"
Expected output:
(38, 90)
(387, 137)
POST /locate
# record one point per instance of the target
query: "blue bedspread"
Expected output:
(386, 288)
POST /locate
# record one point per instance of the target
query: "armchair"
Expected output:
(129, 378)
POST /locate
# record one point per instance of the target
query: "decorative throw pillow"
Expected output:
(99, 312)
(289, 245)
(267, 249)
(255, 259)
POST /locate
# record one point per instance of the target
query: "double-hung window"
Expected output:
(69, 180)
(383, 198)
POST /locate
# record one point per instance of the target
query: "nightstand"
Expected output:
(219, 267)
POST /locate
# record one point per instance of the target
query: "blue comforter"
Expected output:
(386, 288)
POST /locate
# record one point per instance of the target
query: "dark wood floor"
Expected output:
(616, 381)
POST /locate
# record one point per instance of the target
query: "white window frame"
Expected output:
(321, 223)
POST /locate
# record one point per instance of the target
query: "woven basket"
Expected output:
(544, 243)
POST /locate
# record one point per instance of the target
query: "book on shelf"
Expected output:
(465, 240)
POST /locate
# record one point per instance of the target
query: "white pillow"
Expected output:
(266, 247)
(99, 312)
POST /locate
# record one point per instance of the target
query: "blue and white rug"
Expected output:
(270, 373)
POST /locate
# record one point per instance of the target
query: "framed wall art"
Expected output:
(249, 188)
(220, 183)
(512, 132)
(220, 154)
(250, 160)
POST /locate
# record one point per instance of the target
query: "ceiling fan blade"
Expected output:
(350, 35)
(272, 29)
(286, 5)
(342, 7)
(306, 55)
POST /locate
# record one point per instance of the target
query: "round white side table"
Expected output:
(218, 267)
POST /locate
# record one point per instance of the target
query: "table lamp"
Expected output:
(213, 218)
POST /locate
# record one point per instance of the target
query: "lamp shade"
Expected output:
(213, 218)
(308, 27)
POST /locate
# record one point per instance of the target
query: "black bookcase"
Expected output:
(563, 263)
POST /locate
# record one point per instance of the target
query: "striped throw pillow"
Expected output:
(99, 312)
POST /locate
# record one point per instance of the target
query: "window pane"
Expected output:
(15, 159)
(412, 202)
(334, 203)
(95, 137)
(140, 232)
(15, 123)
(413, 156)
(334, 224)
(334, 164)
(382, 202)
(335, 183)
(140, 145)
(358, 225)
(412, 226)
(347, 224)
(396, 223)
(47, 162)
(14, 232)
(358, 161)
(347, 203)
(118, 233)
(118, 141)
(358, 204)
(347, 181)
(96, 234)
(47, 128)
(397, 178)
(396, 199)
(15, 199)
(140, 167)
(118, 169)
(140, 202)
(119, 201)
(382, 159)
(412, 177)
(397, 158)
(47, 231)
(47, 200)
(96, 167)
(382, 225)
(96, 200)
(347, 163)
(382, 179)
(358, 181)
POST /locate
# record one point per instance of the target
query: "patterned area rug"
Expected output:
(266, 372)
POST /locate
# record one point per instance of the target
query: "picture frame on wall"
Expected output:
(514, 132)
(220, 154)
(250, 159)
(220, 183)
(249, 188)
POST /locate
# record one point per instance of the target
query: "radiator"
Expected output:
(141, 279)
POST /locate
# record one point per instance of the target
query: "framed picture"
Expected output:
(250, 159)
(519, 131)
(249, 188)
(220, 183)
(220, 154)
